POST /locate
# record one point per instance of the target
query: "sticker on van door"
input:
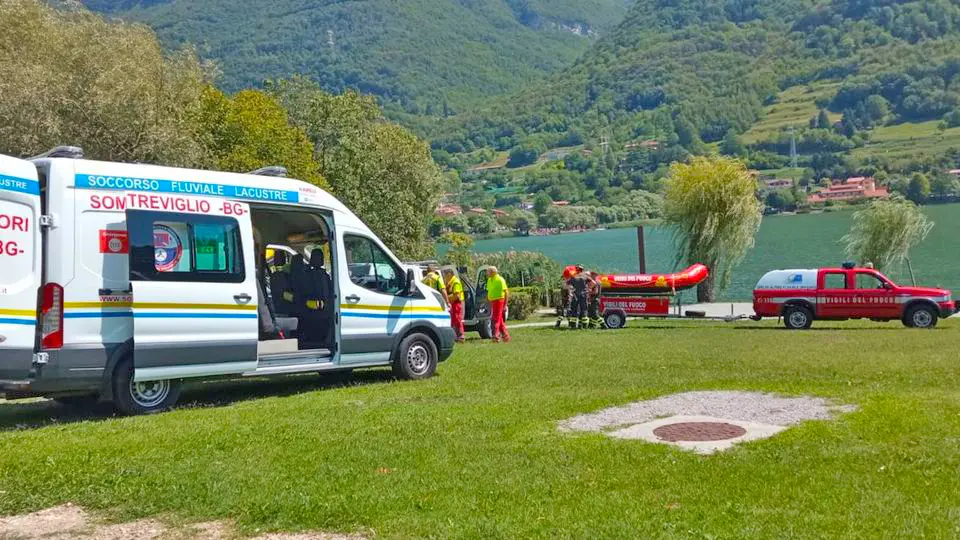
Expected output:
(114, 242)
(167, 248)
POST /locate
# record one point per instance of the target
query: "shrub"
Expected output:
(521, 305)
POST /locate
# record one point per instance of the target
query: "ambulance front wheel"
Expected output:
(797, 318)
(131, 397)
(615, 319)
(416, 358)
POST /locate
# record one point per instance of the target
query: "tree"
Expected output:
(781, 199)
(461, 245)
(541, 203)
(714, 214)
(823, 119)
(524, 154)
(378, 169)
(70, 77)
(482, 223)
(884, 232)
(251, 130)
(918, 190)
(731, 144)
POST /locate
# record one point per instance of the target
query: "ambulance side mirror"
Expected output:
(411, 283)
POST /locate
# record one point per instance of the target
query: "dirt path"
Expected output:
(68, 522)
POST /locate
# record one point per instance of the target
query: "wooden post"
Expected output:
(641, 249)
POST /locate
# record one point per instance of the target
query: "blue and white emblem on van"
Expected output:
(167, 248)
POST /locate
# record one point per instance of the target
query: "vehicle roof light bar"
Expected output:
(272, 170)
(72, 152)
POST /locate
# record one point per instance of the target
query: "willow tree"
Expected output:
(712, 207)
(884, 232)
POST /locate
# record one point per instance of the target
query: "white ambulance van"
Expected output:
(119, 281)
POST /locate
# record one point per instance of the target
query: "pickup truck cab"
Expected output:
(802, 296)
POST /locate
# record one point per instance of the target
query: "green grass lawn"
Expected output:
(474, 452)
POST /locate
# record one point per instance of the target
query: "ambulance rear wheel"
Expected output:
(131, 397)
(615, 319)
(797, 318)
(416, 358)
(485, 329)
(920, 316)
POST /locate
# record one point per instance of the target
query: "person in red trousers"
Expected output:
(455, 294)
(497, 294)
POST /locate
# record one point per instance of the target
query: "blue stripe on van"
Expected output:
(19, 185)
(97, 315)
(183, 187)
(394, 315)
(27, 322)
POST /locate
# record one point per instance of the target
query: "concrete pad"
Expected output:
(645, 432)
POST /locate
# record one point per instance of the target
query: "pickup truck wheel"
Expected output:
(797, 318)
(130, 397)
(920, 316)
(416, 358)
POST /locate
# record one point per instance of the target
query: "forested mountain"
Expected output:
(430, 57)
(710, 65)
(681, 77)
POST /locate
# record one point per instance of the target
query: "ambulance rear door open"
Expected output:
(20, 269)
(194, 286)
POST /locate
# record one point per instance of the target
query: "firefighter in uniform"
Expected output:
(579, 285)
(435, 281)
(593, 310)
(563, 310)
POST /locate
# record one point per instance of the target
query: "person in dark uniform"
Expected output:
(593, 311)
(579, 285)
(563, 310)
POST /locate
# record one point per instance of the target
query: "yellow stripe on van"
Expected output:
(392, 308)
(19, 312)
(157, 305)
(96, 305)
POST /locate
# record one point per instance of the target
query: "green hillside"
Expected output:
(427, 56)
(864, 85)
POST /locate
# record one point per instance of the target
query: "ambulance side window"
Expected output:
(184, 247)
(370, 267)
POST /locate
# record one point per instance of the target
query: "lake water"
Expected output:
(801, 241)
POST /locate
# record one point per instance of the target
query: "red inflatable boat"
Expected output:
(654, 283)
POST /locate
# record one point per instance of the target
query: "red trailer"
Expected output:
(644, 295)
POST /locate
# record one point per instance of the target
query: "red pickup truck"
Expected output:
(802, 296)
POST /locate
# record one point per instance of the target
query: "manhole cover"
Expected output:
(698, 431)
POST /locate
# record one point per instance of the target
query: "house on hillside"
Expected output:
(954, 172)
(448, 210)
(497, 213)
(859, 187)
(649, 144)
(561, 203)
(772, 184)
(477, 211)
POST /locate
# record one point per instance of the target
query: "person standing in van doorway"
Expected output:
(455, 293)
(434, 281)
(497, 294)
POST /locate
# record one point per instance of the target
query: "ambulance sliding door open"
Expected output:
(20, 252)
(194, 290)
